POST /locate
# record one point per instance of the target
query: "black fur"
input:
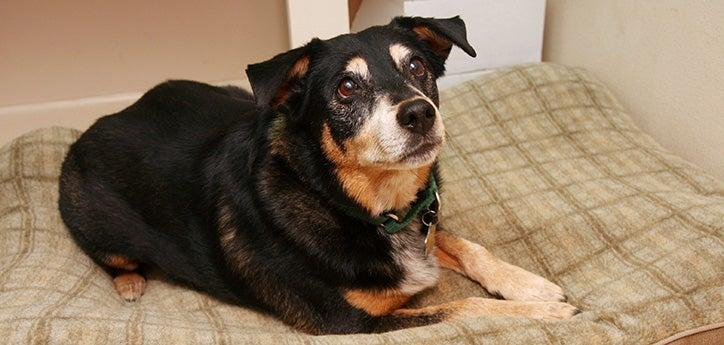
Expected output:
(161, 181)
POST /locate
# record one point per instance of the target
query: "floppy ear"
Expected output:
(439, 34)
(274, 81)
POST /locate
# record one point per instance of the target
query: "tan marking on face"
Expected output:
(298, 70)
(375, 188)
(376, 303)
(386, 142)
(358, 66)
(399, 54)
(495, 275)
(130, 285)
(122, 262)
(439, 44)
(476, 307)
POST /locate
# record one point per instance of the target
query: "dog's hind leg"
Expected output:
(498, 277)
(104, 226)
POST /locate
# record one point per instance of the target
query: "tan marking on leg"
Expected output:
(475, 307)
(118, 261)
(227, 229)
(376, 189)
(234, 252)
(130, 285)
(495, 275)
(446, 260)
(376, 303)
(277, 143)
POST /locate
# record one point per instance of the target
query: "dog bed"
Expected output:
(542, 166)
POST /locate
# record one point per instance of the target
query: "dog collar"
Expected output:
(427, 207)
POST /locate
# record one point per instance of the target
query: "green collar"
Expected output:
(392, 223)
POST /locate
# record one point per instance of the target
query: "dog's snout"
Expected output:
(417, 116)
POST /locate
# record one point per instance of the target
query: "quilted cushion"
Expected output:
(542, 166)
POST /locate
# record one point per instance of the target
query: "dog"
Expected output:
(315, 199)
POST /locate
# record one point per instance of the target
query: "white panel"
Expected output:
(377, 12)
(502, 32)
(316, 18)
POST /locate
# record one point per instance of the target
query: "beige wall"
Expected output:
(77, 48)
(664, 59)
(67, 62)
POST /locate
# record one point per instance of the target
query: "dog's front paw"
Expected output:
(475, 307)
(514, 283)
(552, 310)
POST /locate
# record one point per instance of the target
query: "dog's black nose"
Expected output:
(417, 116)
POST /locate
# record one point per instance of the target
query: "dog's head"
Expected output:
(370, 98)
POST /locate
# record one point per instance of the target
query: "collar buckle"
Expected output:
(430, 217)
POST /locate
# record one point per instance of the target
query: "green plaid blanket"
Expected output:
(542, 166)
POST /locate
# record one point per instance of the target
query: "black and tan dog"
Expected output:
(314, 200)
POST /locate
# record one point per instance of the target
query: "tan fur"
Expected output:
(298, 70)
(358, 66)
(130, 285)
(277, 145)
(475, 307)
(376, 303)
(118, 261)
(376, 189)
(227, 229)
(495, 275)
(235, 254)
(439, 44)
(448, 261)
(399, 54)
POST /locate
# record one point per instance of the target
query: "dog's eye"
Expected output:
(347, 87)
(417, 68)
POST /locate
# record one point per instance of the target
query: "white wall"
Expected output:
(503, 33)
(664, 59)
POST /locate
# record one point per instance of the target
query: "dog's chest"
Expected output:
(420, 269)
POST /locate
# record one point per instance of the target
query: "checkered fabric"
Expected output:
(542, 166)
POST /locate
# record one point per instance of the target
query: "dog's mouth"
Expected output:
(423, 152)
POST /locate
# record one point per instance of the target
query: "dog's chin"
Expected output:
(420, 155)
(414, 157)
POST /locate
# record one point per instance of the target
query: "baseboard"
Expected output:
(75, 113)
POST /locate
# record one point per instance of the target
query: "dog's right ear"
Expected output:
(274, 81)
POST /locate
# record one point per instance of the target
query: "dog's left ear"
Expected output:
(439, 34)
(276, 80)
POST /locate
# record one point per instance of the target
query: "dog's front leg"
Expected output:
(473, 307)
(498, 277)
